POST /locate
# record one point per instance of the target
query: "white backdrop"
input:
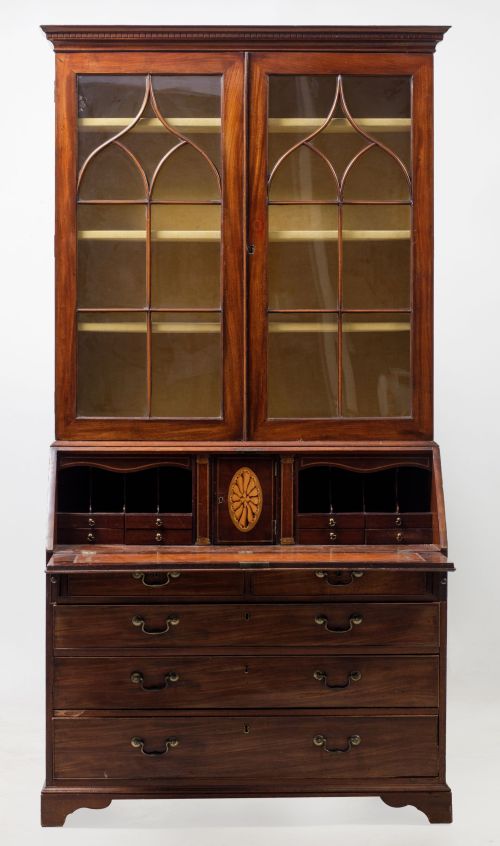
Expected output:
(467, 414)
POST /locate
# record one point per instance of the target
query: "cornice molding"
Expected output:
(417, 39)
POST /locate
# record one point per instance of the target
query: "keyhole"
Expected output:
(247, 615)
(246, 729)
(246, 670)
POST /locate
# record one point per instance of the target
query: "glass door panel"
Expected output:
(339, 246)
(151, 201)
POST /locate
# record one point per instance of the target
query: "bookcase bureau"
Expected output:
(247, 555)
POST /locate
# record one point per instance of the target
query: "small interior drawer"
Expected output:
(148, 537)
(90, 536)
(158, 521)
(398, 536)
(413, 520)
(89, 520)
(330, 521)
(330, 536)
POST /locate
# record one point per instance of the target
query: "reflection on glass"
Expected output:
(376, 256)
(303, 175)
(376, 175)
(302, 366)
(106, 105)
(376, 365)
(303, 257)
(187, 365)
(186, 175)
(112, 365)
(111, 256)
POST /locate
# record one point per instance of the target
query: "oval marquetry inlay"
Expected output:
(244, 499)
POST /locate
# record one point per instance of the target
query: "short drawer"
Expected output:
(330, 521)
(89, 536)
(398, 536)
(256, 749)
(185, 583)
(158, 537)
(246, 682)
(86, 520)
(339, 626)
(331, 536)
(158, 521)
(322, 582)
(408, 520)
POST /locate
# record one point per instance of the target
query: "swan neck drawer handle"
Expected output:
(172, 620)
(170, 743)
(322, 676)
(339, 581)
(170, 678)
(172, 574)
(353, 740)
(354, 620)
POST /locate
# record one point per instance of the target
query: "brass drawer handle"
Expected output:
(398, 521)
(320, 740)
(332, 536)
(173, 574)
(170, 678)
(91, 522)
(399, 537)
(332, 522)
(170, 743)
(159, 522)
(322, 676)
(90, 537)
(324, 574)
(173, 620)
(354, 620)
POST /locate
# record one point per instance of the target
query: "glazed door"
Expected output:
(149, 246)
(341, 263)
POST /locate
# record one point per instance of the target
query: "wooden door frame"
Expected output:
(420, 424)
(231, 67)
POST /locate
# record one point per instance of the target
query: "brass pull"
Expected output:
(138, 678)
(331, 522)
(354, 620)
(90, 537)
(399, 537)
(173, 620)
(172, 574)
(333, 536)
(91, 521)
(321, 675)
(398, 521)
(170, 743)
(158, 537)
(320, 740)
(324, 574)
(159, 522)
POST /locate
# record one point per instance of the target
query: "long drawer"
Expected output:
(405, 625)
(246, 682)
(169, 583)
(250, 748)
(331, 582)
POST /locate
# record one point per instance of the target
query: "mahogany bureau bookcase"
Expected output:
(247, 557)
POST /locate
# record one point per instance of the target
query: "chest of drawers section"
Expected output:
(276, 681)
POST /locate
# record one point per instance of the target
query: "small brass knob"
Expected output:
(399, 537)
(331, 522)
(91, 521)
(333, 536)
(173, 677)
(356, 619)
(159, 522)
(91, 537)
(158, 537)
(398, 521)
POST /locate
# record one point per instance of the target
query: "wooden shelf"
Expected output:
(332, 235)
(332, 326)
(124, 327)
(214, 235)
(275, 125)
(156, 235)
